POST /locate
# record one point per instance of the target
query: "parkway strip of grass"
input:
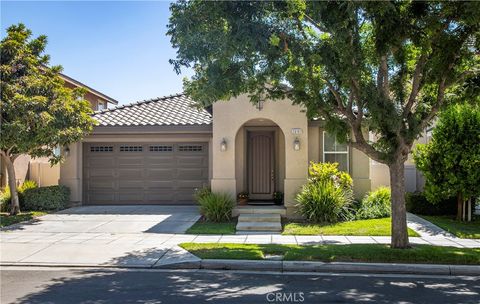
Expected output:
(375, 253)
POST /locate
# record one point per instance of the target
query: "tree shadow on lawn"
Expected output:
(146, 286)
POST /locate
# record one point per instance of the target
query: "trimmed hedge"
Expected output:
(47, 198)
(417, 203)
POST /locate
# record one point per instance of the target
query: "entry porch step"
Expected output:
(259, 218)
(259, 226)
(281, 210)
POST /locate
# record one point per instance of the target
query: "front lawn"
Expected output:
(7, 220)
(204, 227)
(466, 230)
(373, 227)
(374, 253)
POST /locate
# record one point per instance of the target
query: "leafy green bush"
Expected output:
(216, 207)
(324, 201)
(46, 198)
(376, 204)
(5, 198)
(5, 195)
(329, 172)
(201, 192)
(418, 203)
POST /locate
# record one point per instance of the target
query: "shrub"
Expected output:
(201, 192)
(46, 198)
(376, 204)
(324, 201)
(330, 172)
(418, 203)
(216, 207)
(5, 196)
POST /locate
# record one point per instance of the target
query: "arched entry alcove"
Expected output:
(238, 113)
(260, 159)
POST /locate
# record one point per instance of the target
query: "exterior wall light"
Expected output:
(66, 151)
(223, 145)
(296, 144)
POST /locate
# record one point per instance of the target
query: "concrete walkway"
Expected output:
(425, 228)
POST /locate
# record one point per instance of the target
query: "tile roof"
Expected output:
(173, 110)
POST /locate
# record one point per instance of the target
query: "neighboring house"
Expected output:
(39, 169)
(158, 151)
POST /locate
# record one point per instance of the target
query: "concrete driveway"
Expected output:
(115, 219)
(99, 235)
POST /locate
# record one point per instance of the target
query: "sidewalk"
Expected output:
(147, 248)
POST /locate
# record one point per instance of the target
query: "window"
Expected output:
(335, 152)
(190, 148)
(101, 149)
(163, 148)
(131, 148)
(100, 105)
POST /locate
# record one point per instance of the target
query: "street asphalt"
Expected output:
(82, 285)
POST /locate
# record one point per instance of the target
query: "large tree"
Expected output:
(39, 113)
(387, 67)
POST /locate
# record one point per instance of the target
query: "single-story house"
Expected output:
(159, 151)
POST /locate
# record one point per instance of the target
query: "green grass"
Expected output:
(373, 227)
(374, 253)
(466, 230)
(7, 220)
(204, 227)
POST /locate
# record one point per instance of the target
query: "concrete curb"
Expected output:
(337, 267)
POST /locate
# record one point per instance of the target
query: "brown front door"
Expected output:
(261, 165)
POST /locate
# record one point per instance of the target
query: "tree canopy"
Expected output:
(388, 66)
(38, 113)
(451, 161)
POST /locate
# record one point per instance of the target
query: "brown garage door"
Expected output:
(143, 173)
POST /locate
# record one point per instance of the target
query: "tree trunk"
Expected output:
(12, 184)
(459, 206)
(399, 212)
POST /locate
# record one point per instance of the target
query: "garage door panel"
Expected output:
(190, 185)
(161, 174)
(131, 184)
(101, 184)
(130, 197)
(152, 185)
(144, 173)
(101, 197)
(187, 161)
(160, 196)
(100, 162)
(133, 173)
(98, 172)
(191, 173)
(130, 161)
(161, 161)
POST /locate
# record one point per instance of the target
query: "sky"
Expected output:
(118, 48)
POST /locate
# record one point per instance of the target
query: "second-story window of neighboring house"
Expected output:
(335, 152)
(100, 105)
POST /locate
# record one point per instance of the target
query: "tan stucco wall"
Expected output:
(43, 173)
(229, 117)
